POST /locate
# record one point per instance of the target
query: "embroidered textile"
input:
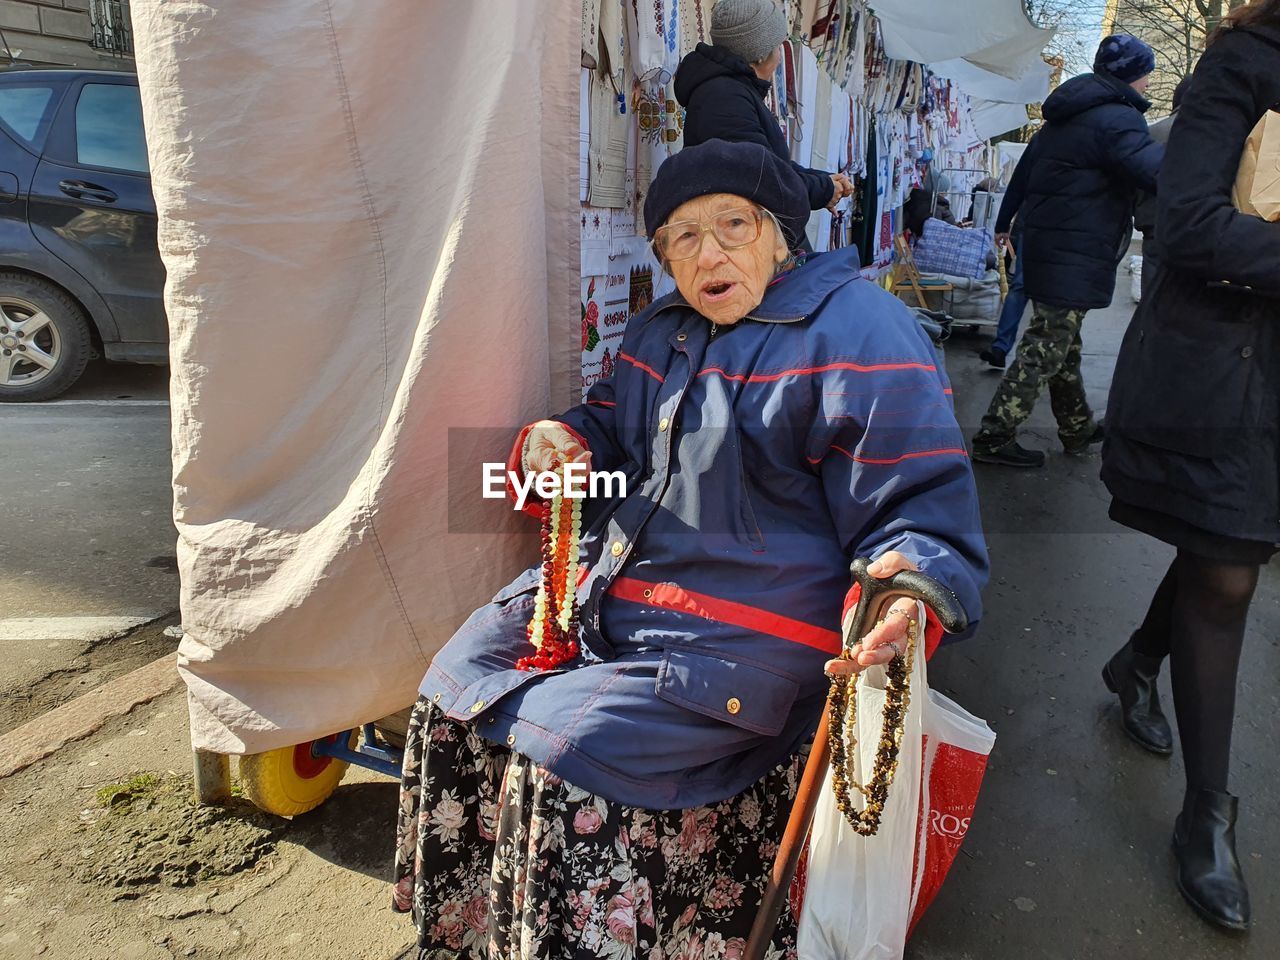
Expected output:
(591, 32)
(608, 138)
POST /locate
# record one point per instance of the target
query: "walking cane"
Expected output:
(876, 593)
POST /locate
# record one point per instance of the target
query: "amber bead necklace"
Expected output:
(843, 699)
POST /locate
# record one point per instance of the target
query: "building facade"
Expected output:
(75, 33)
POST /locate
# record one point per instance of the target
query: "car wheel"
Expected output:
(44, 339)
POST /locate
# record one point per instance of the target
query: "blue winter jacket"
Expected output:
(760, 462)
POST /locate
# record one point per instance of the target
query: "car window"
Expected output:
(109, 128)
(25, 110)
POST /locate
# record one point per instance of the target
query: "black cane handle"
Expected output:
(906, 583)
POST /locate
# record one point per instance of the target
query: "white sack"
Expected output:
(369, 221)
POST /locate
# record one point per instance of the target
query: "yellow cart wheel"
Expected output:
(290, 780)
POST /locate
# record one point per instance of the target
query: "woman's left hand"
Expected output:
(888, 638)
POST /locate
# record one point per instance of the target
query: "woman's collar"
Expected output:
(800, 291)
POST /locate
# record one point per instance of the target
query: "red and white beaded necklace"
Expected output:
(553, 630)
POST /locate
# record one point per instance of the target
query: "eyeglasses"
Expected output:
(732, 229)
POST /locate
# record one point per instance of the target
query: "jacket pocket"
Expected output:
(745, 695)
(527, 582)
(1192, 387)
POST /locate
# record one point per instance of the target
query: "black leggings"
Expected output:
(1197, 619)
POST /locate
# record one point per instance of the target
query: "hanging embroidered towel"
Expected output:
(613, 38)
(608, 146)
(803, 14)
(819, 227)
(591, 32)
(695, 25)
(596, 239)
(653, 30)
(807, 71)
(584, 135)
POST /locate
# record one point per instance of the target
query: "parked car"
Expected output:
(80, 272)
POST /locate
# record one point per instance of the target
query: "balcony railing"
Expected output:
(111, 29)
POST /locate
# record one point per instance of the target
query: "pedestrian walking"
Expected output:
(723, 85)
(1009, 237)
(1144, 211)
(1193, 444)
(1082, 170)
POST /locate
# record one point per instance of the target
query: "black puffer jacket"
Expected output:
(1074, 188)
(1193, 422)
(724, 100)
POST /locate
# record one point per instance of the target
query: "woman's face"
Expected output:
(764, 68)
(725, 285)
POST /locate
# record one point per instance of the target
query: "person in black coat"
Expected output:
(1144, 211)
(722, 87)
(1073, 193)
(1193, 445)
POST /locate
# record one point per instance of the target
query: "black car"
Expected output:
(80, 272)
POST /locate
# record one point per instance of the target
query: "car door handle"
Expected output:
(87, 191)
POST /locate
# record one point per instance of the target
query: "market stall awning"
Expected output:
(1031, 87)
(993, 35)
(992, 119)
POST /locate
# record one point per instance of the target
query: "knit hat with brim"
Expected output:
(752, 29)
(1124, 57)
(747, 170)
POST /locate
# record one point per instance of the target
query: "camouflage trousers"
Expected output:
(1049, 352)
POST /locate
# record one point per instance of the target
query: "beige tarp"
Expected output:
(368, 211)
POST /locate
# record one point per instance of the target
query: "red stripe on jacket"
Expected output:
(805, 371)
(672, 597)
(944, 452)
(639, 365)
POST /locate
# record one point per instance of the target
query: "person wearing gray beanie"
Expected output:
(753, 29)
(723, 85)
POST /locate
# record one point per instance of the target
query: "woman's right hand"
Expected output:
(549, 444)
(843, 188)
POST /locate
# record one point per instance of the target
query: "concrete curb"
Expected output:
(49, 732)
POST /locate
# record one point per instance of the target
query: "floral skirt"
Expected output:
(498, 859)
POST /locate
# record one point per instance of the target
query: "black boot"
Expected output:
(1209, 877)
(1132, 677)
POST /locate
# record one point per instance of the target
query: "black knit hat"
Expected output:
(748, 170)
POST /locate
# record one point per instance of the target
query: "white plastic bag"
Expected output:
(859, 892)
(1135, 277)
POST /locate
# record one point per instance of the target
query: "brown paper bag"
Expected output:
(1257, 189)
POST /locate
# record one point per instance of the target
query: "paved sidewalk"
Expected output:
(1068, 855)
(317, 889)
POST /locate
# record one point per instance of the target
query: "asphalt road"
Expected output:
(1068, 853)
(87, 540)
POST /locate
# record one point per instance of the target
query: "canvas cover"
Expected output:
(994, 35)
(368, 213)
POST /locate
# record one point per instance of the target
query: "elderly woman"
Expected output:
(774, 419)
